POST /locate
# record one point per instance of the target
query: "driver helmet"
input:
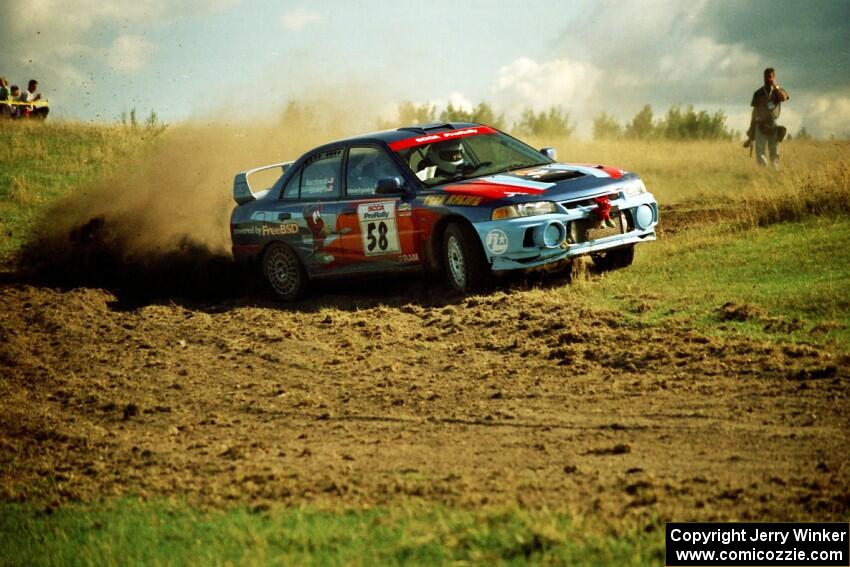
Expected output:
(447, 156)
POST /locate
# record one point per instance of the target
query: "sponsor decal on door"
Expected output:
(378, 228)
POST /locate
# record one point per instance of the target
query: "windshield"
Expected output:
(464, 154)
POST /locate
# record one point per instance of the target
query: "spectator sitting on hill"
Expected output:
(5, 109)
(14, 96)
(32, 95)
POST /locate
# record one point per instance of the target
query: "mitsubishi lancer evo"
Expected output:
(461, 198)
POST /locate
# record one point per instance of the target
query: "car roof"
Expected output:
(389, 136)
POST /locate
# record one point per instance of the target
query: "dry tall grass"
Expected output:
(704, 171)
(796, 195)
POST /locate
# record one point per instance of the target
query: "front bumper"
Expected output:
(519, 243)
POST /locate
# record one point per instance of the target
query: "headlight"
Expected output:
(524, 210)
(634, 188)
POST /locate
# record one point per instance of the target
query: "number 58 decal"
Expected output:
(378, 228)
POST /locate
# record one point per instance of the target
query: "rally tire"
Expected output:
(283, 271)
(615, 259)
(464, 262)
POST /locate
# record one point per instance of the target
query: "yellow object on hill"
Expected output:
(35, 103)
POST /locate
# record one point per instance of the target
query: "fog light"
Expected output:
(551, 235)
(643, 216)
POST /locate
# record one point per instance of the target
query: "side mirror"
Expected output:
(550, 153)
(389, 186)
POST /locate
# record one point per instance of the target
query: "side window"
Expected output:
(320, 177)
(366, 165)
(292, 186)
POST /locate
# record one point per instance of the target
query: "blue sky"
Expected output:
(199, 59)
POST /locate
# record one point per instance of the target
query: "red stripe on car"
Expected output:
(491, 190)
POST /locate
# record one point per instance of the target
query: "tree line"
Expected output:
(676, 124)
(552, 122)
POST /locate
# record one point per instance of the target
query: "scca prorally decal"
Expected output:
(378, 228)
(440, 137)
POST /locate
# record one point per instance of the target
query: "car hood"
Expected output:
(557, 181)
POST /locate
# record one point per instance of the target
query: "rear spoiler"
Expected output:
(242, 192)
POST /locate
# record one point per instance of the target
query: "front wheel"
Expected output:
(615, 259)
(284, 272)
(464, 261)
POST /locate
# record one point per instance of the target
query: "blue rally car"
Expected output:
(462, 198)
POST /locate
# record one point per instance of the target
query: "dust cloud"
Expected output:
(158, 225)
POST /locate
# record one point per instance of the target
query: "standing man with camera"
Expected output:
(763, 127)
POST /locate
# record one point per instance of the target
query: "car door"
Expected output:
(380, 231)
(310, 200)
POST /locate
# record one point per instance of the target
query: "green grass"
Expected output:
(796, 275)
(40, 162)
(132, 532)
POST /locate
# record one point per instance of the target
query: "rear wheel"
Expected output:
(284, 272)
(615, 259)
(463, 259)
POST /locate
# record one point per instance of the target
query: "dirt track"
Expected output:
(370, 397)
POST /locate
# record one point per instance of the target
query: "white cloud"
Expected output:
(129, 53)
(560, 82)
(459, 101)
(300, 18)
(826, 116)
